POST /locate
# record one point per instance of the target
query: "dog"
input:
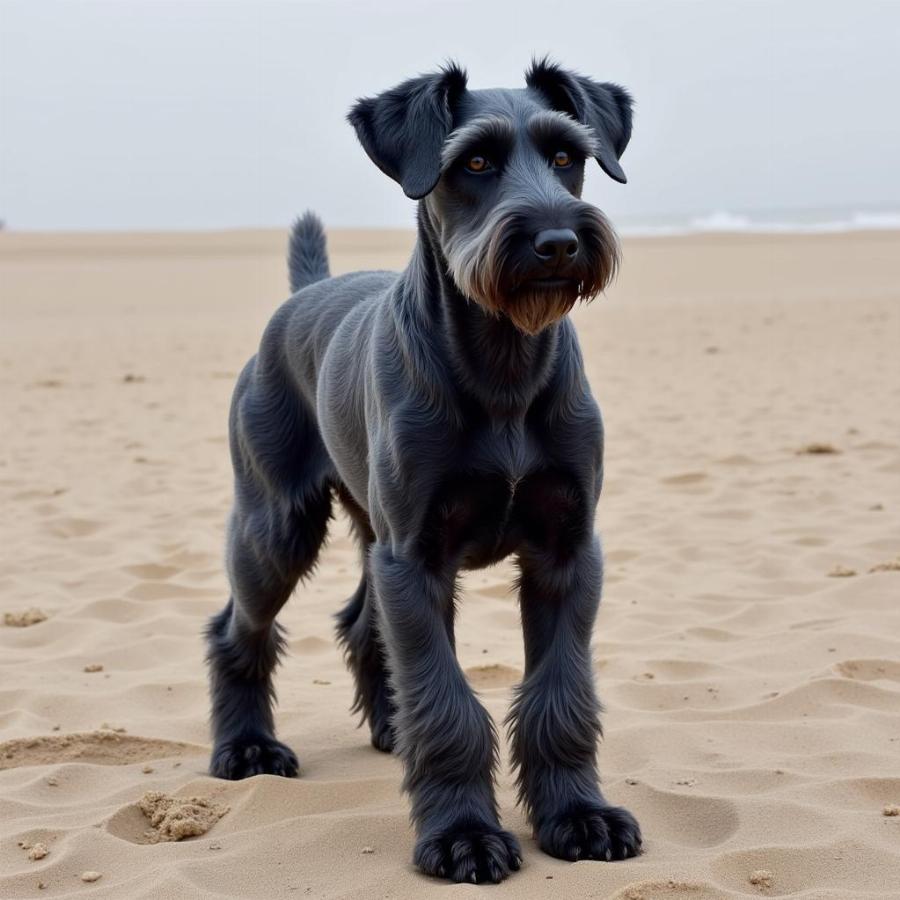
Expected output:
(447, 409)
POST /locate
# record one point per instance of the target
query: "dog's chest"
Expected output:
(481, 513)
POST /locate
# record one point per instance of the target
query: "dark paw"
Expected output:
(591, 832)
(253, 755)
(474, 854)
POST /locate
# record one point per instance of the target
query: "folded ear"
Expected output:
(605, 107)
(404, 129)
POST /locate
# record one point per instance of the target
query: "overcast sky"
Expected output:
(192, 114)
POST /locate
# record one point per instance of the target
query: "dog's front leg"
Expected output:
(555, 718)
(444, 736)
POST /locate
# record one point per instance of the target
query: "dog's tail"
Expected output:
(307, 256)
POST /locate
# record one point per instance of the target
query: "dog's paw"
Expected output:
(591, 832)
(475, 854)
(253, 755)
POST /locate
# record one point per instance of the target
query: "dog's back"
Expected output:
(319, 302)
(298, 335)
(273, 416)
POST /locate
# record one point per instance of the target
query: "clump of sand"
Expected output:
(762, 878)
(177, 818)
(35, 851)
(841, 572)
(890, 566)
(33, 616)
(891, 809)
(38, 851)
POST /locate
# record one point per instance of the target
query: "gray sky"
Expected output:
(192, 114)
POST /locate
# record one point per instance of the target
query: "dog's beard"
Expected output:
(488, 270)
(532, 309)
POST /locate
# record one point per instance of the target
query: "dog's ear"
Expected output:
(404, 129)
(605, 107)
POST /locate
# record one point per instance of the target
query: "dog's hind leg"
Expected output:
(278, 524)
(358, 633)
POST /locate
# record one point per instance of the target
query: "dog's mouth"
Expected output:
(550, 281)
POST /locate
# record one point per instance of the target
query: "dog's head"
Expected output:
(500, 174)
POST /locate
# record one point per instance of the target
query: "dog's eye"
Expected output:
(478, 164)
(561, 160)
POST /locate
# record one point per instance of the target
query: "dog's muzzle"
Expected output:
(534, 276)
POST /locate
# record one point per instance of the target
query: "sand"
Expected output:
(176, 818)
(751, 392)
(24, 619)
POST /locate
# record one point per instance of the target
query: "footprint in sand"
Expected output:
(686, 819)
(493, 675)
(310, 645)
(104, 748)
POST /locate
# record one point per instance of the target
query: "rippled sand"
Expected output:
(748, 647)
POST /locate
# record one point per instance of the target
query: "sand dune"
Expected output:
(747, 650)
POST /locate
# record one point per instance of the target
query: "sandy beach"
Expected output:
(747, 649)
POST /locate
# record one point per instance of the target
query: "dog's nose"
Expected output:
(556, 246)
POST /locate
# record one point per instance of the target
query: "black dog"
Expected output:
(447, 409)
